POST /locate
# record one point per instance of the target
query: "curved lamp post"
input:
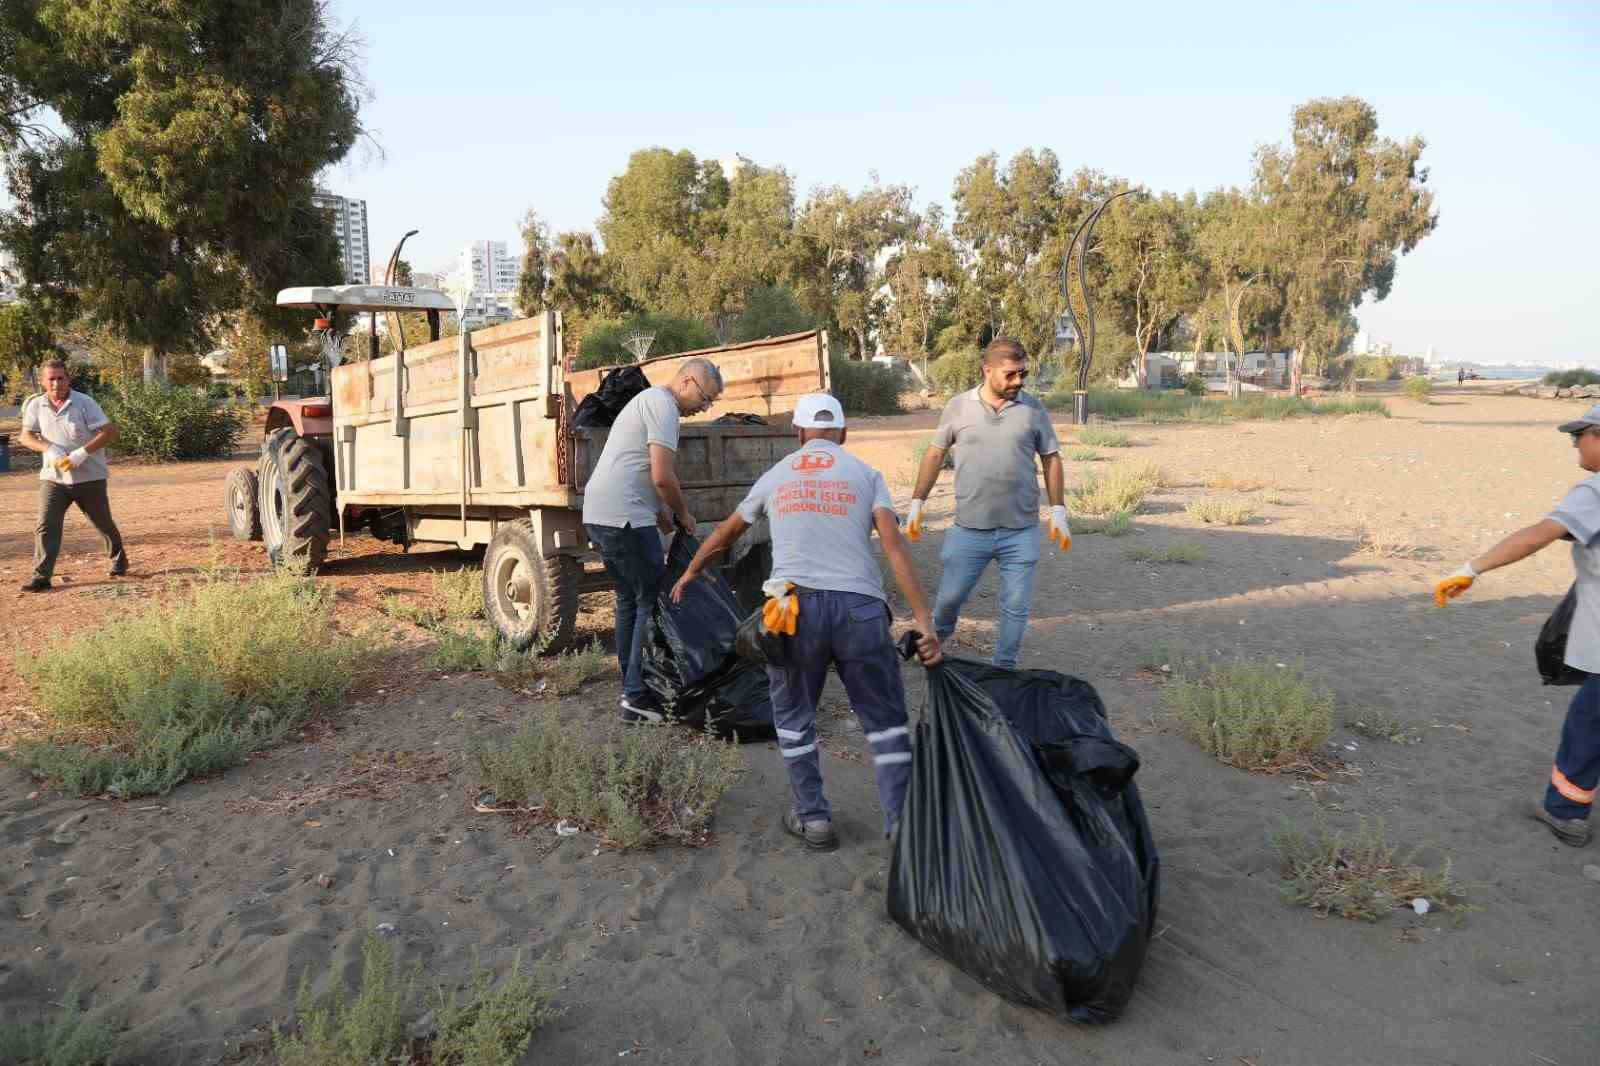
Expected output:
(1075, 290)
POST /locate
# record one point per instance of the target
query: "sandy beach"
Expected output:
(192, 916)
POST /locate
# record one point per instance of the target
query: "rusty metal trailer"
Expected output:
(468, 441)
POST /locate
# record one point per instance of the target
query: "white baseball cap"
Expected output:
(818, 410)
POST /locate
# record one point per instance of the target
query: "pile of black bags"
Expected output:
(689, 661)
(1024, 855)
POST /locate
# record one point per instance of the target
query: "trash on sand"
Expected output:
(385, 927)
(1420, 905)
(1592, 872)
(565, 828)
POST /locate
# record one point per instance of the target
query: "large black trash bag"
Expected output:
(1024, 854)
(601, 407)
(1550, 650)
(689, 660)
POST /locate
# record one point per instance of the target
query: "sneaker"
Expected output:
(1571, 831)
(638, 714)
(816, 835)
(36, 584)
(118, 571)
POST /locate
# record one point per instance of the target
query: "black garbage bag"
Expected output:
(601, 407)
(1550, 650)
(689, 661)
(1024, 854)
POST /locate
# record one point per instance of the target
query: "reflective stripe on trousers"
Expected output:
(1575, 777)
(850, 632)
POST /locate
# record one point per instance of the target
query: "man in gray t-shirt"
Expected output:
(632, 491)
(71, 432)
(996, 431)
(1575, 777)
(823, 505)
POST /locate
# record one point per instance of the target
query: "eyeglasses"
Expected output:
(705, 397)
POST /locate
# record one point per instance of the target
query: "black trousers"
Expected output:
(54, 500)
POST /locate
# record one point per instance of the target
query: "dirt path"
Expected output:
(194, 915)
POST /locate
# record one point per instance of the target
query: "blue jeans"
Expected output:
(966, 554)
(1575, 777)
(851, 632)
(634, 559)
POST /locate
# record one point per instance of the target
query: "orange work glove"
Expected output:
(1454, 585)
(1060, 532)
(914, 520)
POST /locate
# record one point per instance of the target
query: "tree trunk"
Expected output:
(1294, 371)
(155, 366)
(861, 343)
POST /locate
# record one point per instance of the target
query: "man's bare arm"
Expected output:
(721, 540)
(664, 475)
(33, 442)
(928, 472)
(1519, 545)
(1054, 478)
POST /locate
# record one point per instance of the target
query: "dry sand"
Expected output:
(194, 915)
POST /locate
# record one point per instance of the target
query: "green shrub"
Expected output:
(166, 422)
(771, 311)
(1151, 406)
(562, 675)
(1195, 385)
(602, 342)
(1221, 512)
(491, 1026)
(1115, 524)
(1361, 875)
(1101, 437)
(1418, 387)
(634, 786)
(956, 371)
(1083, 455)
(1120, 489)
(462, 649)
(68, 1038)
(190, 688)
(863, 387)
(1377, 367)
(1566, 379)
(1256, 716)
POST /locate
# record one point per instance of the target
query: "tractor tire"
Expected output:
(296, 501)
(242, 503)
(530, 599)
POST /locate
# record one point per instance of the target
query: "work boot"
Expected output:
(817, 835)
(36, 584)
(1571, 831)
(118, 570)
(639, 714)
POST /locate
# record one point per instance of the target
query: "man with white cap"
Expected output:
(823, 505)
(1575, 777)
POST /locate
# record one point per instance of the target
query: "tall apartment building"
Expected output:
(491, 272)
(349, 221)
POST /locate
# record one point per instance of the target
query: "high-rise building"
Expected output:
(349, 220)
(489, 270)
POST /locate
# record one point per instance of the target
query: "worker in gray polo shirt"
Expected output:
(632, 492)
(996, 430)
(71, 432)
(824, 505)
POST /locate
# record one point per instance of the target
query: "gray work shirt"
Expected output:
(819, 501)
(70, 428)
(997, 477)
(1579, 514)
(620, 490)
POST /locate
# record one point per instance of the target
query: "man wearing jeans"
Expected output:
(824, 505)
(632, 493)
(996, 430)
(71, 431)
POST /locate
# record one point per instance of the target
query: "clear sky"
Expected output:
(486, 109)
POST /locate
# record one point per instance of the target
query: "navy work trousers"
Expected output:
(1576, 774)
(850, 632)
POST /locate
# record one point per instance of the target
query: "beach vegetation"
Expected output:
(635, 787)
(1417, 388)
(1360, 875)
(1119, 489)
(1101, 437)
(490, 1025)
(1166, 553)
(157, 696)
(1255, 716)
(1218, 512)
(1146, 405)
(69, 1037)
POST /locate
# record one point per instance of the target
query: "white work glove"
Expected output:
(78, 457)
(1454, 585)
(914, 520)
(53, 455)
(1060, 532)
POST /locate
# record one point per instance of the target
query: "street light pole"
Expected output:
(1072, 270)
